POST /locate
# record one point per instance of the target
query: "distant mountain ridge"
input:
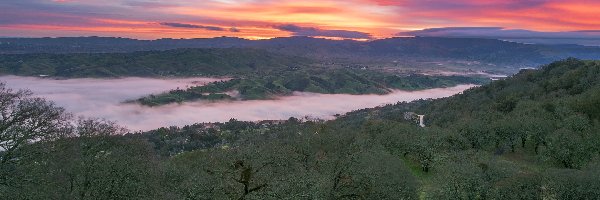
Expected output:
(381, 52)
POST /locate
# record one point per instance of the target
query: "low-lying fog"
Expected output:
(102, 98)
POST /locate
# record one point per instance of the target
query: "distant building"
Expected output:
(421, 122)
(414, 117)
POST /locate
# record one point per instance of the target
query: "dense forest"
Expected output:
(341, 81)
(256, 73)
(179, 62)
(491, 54)
(535, 135)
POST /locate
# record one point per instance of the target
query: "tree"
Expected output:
(518, 186)
(569, 148)
(25, 119)
(90, 127)
(475, 132)
(461, 181)
(389, 178)
(98, 164)
(537, 130)
(573, 184)
(507, 132)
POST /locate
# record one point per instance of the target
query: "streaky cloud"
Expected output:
(182, 25)
(234, 30)
(149, 4)
(585, 37)
(317, 32)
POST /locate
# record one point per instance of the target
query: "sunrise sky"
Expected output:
(255, 19)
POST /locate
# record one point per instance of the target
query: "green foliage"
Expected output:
(291, 160)
(485, 180)
(402, 52)
(180, 62)
(326, 81)
(570, 148)
(88, 168)
(525, 137)
(92, 164)
(540, 111)
(574, 184)
(536, 123)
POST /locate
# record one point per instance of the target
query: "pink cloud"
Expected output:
(378, 18)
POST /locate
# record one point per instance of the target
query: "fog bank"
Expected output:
(102, 98)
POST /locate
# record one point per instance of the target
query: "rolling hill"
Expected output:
(179, 62)
(417, 52)
(531, 136)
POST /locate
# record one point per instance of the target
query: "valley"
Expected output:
(106, 98)
(299, 100)
(250, 123)
(506, 139)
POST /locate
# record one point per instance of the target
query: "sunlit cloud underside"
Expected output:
(256, 19)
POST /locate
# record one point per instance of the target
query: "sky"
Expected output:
(258, 19)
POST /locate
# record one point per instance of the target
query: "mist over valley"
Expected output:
(104, 98)
(300, 99)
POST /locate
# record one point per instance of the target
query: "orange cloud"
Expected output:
(257, 18)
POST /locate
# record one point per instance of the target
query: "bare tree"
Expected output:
(25, 119)
(91, 127)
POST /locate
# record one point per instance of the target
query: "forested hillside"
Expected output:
(535, 135)
(258, 74)
(540, 128)
(486, 54)
(180, 62)
(340, 81)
